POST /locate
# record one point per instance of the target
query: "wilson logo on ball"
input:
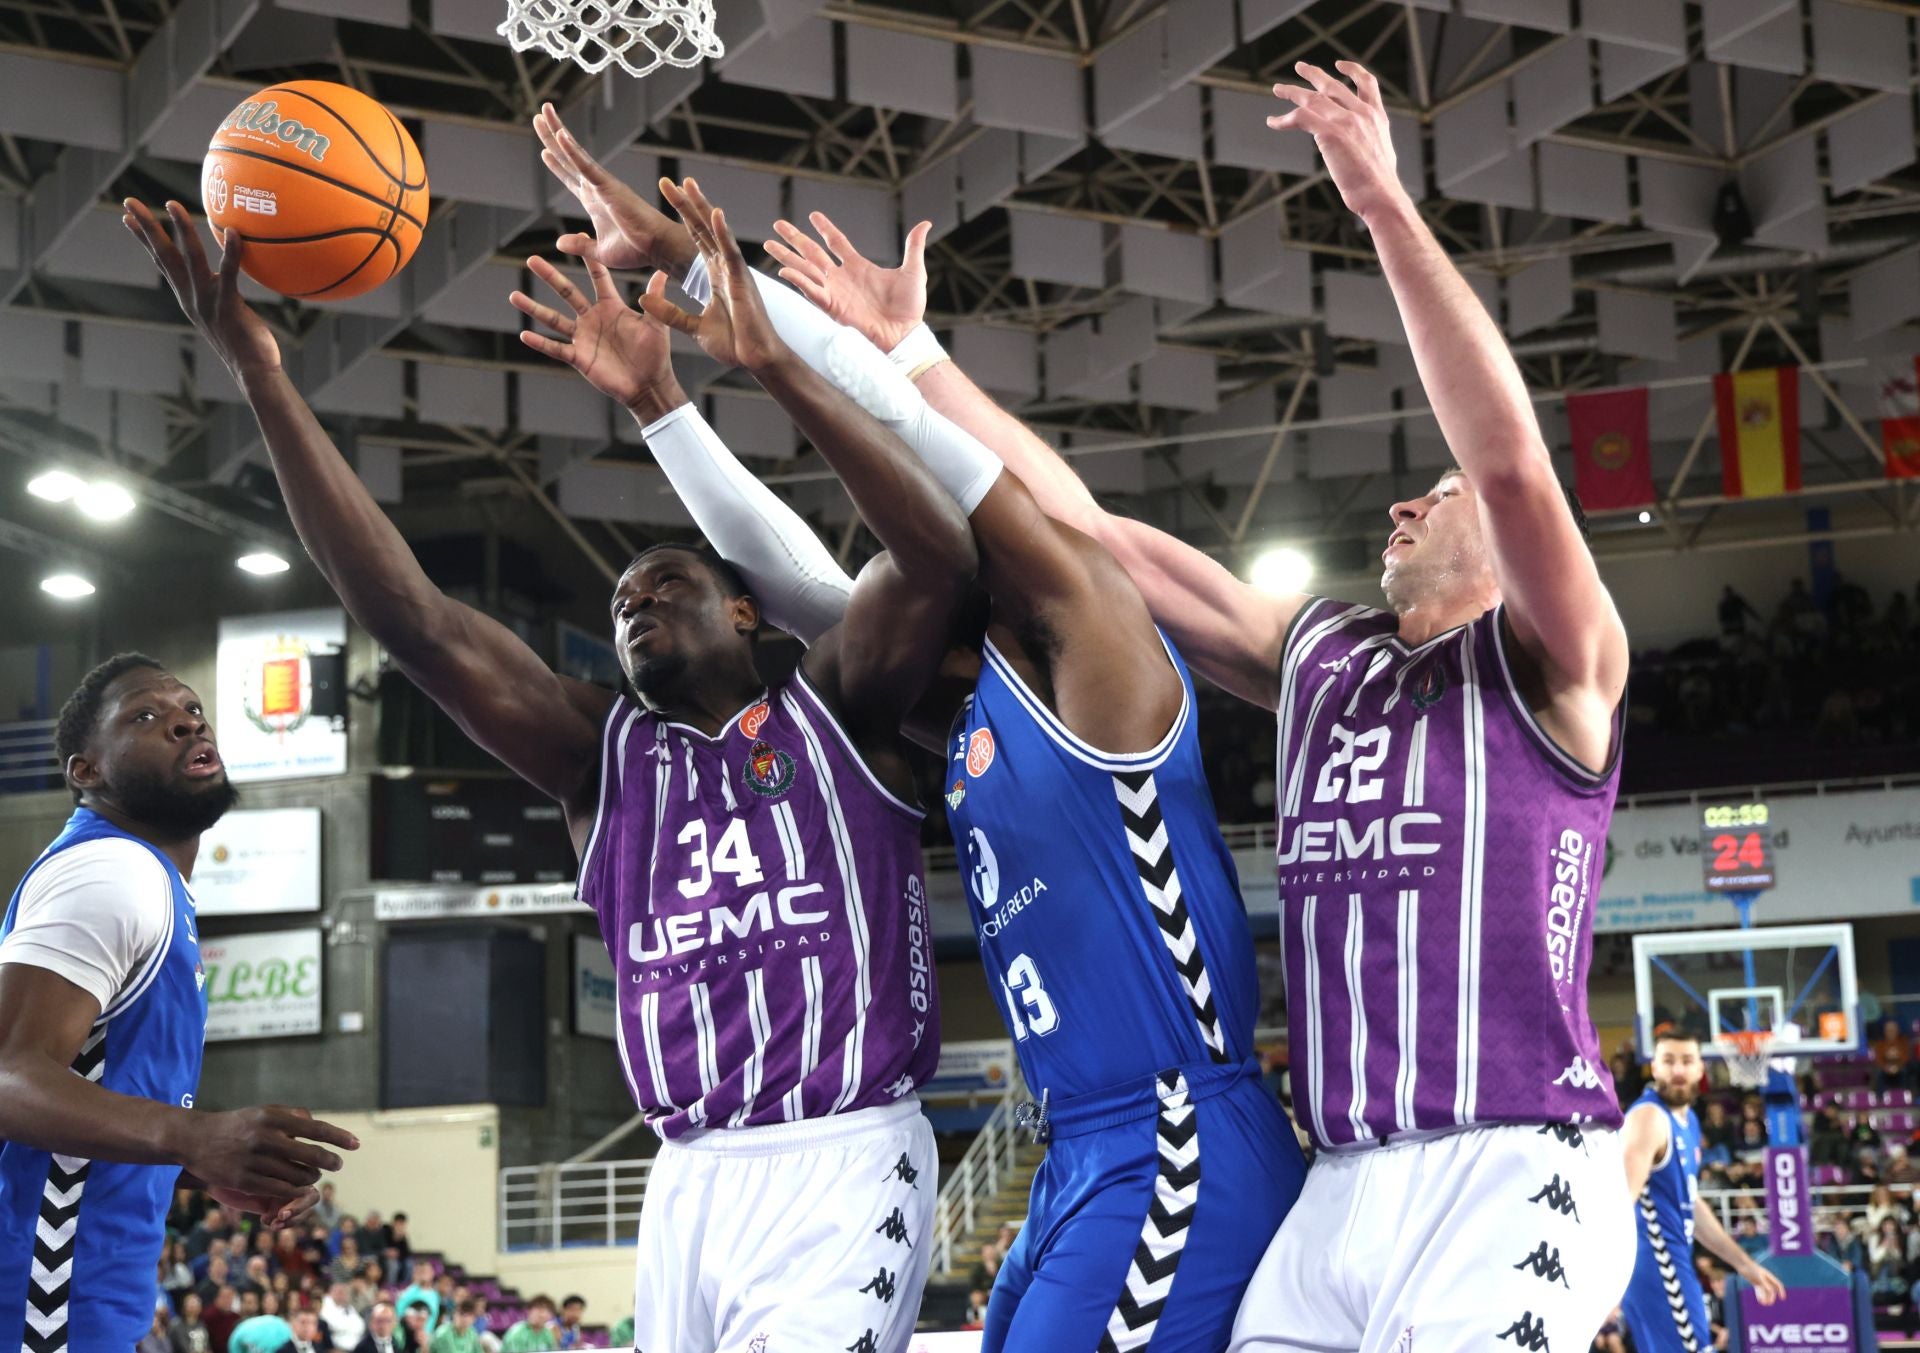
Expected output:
(265, 118)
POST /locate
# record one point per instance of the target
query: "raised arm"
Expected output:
(1230, 631)
(545, 726)
(1561, 614)
(886, 650)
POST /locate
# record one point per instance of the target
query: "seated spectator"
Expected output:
(288, 1257)
(1827, 1143)
(1887, 1262)
(449, 1294)
(326, 1212)
(188, 1333)
(1842, 1245)
(155, 1339)
(976, 1310)
(1716, 1129)
(535, 1333)
(415, 1325)
(346, 1260)
(189, 1205)
(373, 1234)
(1881, 1204)
(568, 1332)
(215, 1280)
(175, 1276)
(383, 1335)
(489, 1341)
(306, 1334)
(1892, 1058)
(198, 1264)
(345, 1325)
(1900, 1165)
(221, 1314)
(349, 1228)
(984, 1272)
(397, 1239)
(422, 1290)
(459, 1336)
(213, 1226)
(623, 1332)
(255, 1279)
(364, 1295)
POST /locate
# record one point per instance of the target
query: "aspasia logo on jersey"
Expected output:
(1567, 901)
(657, 937)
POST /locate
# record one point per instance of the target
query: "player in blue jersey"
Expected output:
(1107, 905)
(1665, 1310)
(102, 1017)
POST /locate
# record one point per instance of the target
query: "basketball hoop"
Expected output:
(642, 35)
(1746, 1052)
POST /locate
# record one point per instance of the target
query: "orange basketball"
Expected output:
(324, 184)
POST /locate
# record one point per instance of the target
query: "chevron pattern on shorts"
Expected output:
(50, 1277)
(1153, 857)
(1669, 1276)
(1176, 1189)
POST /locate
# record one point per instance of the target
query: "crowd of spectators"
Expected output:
(337, 1284)
(980, 1277)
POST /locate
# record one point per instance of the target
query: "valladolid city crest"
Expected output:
(279, 687)
(768, 772)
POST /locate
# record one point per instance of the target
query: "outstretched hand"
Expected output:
(211, 299)
(884, 304)
(622, 352)
(1350, 129)
(735, 329)
(628, 231)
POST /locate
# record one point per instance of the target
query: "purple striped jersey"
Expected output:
(1439, 858)
(762, 897)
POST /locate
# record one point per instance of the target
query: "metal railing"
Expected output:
(1735, 1205)
(27, 762)
(591, 1203)
(990, 1160)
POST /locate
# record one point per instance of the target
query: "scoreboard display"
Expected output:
(1736, 848)
(467, 829)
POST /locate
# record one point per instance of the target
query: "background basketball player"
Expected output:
(749, 851)
(1665, 1308)
(1075, 777)
(103, 1014)
(1446, 773)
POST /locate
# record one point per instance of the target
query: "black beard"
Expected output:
(655, 678)
(1676, 1099)
(157, 801)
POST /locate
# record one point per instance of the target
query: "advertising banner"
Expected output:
(596, 990)
(262, 986)
(259, 860)
(984, 1064)
(265, 720)
(1789, 1202)
(1806, 1320)
(1839, 854)
(435, 904)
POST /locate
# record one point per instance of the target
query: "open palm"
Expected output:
(621, 351)
(884, 304)
(735, 329)
(626, 228)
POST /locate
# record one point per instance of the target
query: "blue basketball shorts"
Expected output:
(1148, 1216)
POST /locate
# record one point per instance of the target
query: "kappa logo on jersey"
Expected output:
(754, 719)
(979, 752)
(1580, 1075)
(1545, 1263)
(1529, 1333)
(1559, 1197)
(768, 771)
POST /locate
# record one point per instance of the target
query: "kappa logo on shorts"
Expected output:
(1559, 1197)
(1529, 1333)
(894, 1228)
(866, 1343)
(768, 771)
(757, 1344)
(1545, 1263)
(882, 1285)
(979, 752)
(1404, 1344)
(1567, 1134)
(903, 1171)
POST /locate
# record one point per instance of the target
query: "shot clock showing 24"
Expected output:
(1736, 848)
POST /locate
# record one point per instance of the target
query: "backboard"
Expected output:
(1799, 982)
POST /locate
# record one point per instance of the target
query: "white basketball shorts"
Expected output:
(808, 1237)
(1517, 1238)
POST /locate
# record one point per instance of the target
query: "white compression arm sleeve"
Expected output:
(799, 586)
(964, 467)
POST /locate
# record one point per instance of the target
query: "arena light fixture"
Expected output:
(66, 586)
(1282, 571)
(1646, 517)
(262, 563)
(104, 500)
(56, 486)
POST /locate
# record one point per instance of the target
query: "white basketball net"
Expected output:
(642, 35)
(1747, 1055)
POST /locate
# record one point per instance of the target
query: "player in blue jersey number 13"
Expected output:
(1446, 772)
(1106, 903)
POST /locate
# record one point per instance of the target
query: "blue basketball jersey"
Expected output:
(1664, 1305)
(79, 1238)
(1107, 906)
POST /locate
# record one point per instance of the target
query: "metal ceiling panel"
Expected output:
(558, 402)
(902, 72)
(1783, 182)
(1169, 127)
(753, 425)
(377, 388)
(1129, 74)
(1040, 153)
(184, 133)
(1584, 184)
(62, 101)
(1857, 46)
(1677, 197)
(1066, 249)
(1242, 137)
(752, 200)
(478, 300)
(933, 195)
(989, 170)
(800, 62)
(119, 357)
(636, 494)
(99, 249)
(1258, 17)
(1360, 305)
(1123, 337)
(380, 469)
(1251, 251)
(390, 13)
(1625, 68)
(475, 20)
(1199, 36)
(1775, 43)
(1470, 136)
(1178, 378)
(1874, 140)
(1552, 90)
(868, 216)
(1025, 91)
(33, 346)
(493, 165)
(1633, 324)
(1005, 361)
(1341, 453)
(1555, 16)
(1165, 263)
(1410, 152)
(460, 396)
(1653, 25)
(140, 426)
(1539, 294)
(1506, 182)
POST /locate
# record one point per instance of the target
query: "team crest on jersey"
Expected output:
(979, 752)
(768, 772)
(754, 719)
(957, 795)
(1433, 685)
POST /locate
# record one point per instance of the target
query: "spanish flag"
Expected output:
(1759, 415)
(1900, 421)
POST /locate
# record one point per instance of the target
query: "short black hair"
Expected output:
(80, 716)
(1573, 501)
(1673, 1034)
(730, 578)
(575, 1299)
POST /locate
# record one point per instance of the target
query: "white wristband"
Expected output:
(917, 351)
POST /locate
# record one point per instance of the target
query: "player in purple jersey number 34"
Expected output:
(757, 877)
(1446, 770)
